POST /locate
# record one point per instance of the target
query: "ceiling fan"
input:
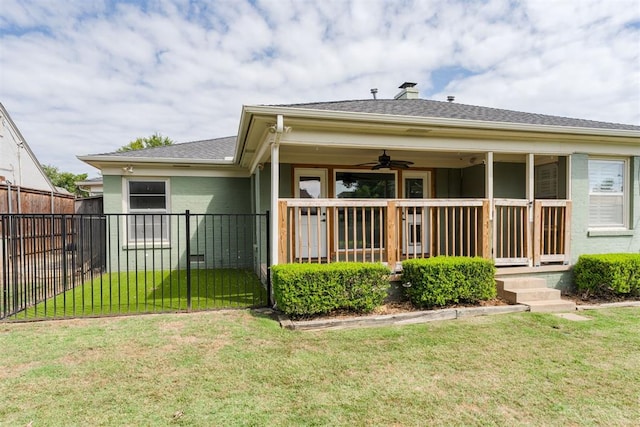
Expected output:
(385, 162)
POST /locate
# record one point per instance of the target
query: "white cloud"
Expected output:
(84, 77)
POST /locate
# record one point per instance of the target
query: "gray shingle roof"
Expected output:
(207, 149)
(454, 110)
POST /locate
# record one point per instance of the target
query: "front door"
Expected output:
(415, 221)
(311, 224)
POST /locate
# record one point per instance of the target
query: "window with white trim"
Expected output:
(607, 193)
(147, 202)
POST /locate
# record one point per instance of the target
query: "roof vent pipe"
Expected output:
(409, 91)
(374, 91)
(451, 98)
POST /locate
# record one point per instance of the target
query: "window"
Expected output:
(607, 193)
(148, 206)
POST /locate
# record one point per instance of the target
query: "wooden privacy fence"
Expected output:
(16, 199)
(391, 230)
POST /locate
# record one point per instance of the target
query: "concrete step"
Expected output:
(554, 306)
(517, 296)
(520, 283)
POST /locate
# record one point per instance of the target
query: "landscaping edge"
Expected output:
(415, 317)
(408, 318)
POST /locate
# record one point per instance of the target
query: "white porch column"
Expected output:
(275, 186)
(488, 181)
(530, 170)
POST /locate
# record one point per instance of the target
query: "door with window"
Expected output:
(310, 222)
(415, 221)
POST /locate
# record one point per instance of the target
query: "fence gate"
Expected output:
(57, 266)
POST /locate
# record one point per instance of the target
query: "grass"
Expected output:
(239, 368)
(153, 291)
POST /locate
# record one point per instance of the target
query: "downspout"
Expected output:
(278, 129)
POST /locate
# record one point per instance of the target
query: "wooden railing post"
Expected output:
(283, 232)
(537, 232)
(392, 240)
(486, 235)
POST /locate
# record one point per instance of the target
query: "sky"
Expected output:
(88, 76)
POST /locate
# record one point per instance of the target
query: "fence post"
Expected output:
(63, 257)
(187, 228)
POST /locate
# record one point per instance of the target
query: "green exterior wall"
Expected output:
(285, 187)
(585, 241)
(448, 183)
(225, 241)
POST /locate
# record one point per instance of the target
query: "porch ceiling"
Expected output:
(351, 157)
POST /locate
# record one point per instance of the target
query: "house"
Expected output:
(390, 179)
(24, 186)
(92, 186)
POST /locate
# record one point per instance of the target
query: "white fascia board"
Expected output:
(164, 171)
(123, 159)
(382, 119)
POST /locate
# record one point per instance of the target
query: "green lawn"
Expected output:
(154, 291)
(238, 368)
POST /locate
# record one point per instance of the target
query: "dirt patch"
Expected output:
(588, 299)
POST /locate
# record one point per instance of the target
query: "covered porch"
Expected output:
(451, 188)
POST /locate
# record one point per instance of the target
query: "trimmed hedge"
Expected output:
(608, 274)
(306, 289)
(440, 281)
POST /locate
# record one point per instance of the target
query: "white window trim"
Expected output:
(626, 189)
(154, 243)
(425, 175)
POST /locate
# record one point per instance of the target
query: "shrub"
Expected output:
(608, 274)
(445, 280)
(305, 289)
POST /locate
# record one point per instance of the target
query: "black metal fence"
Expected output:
(91, 265)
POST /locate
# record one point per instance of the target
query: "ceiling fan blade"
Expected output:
(367, 164)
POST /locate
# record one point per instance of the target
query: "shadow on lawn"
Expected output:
(218, 288)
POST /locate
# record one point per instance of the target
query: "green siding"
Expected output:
(581, 242)
(448, 183)
(265, 185)
(210, 195)
(112, 195)
(472, 185)
(509, 181)
(223, 244)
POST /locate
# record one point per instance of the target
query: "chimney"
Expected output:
(409, 91)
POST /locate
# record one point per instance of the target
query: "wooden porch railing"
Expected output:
(511, 237)
(432, 227)
(374, 230)
(552, 231)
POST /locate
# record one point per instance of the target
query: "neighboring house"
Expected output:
(24, 187)
(386, 180)
(92, 186)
